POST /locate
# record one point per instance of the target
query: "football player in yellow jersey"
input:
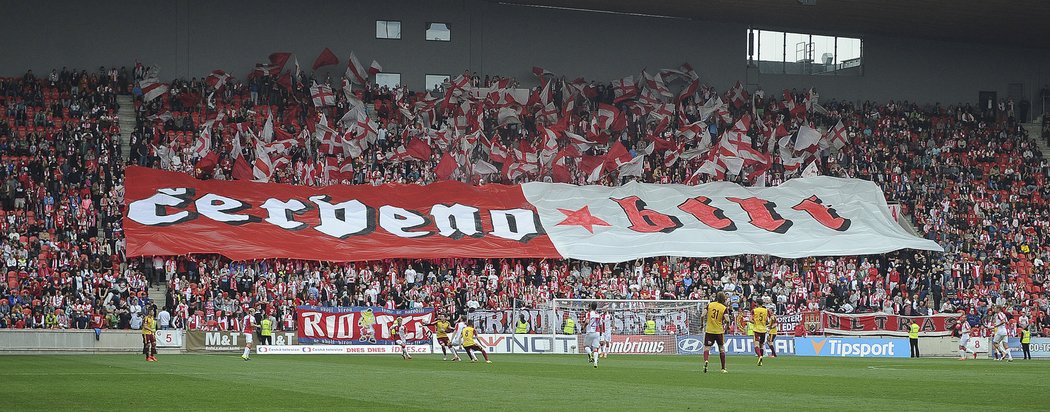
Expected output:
(149, 337)
(773, 323)
(470, 345)
(442, 328)
(759, 322)
(717, 316)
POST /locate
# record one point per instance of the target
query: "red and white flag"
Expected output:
(738, 96)
(540, 72)
(266, 134)
(263, 166)
(807, 137)
(838, 136)
(624, 89)
(202, 145)
(355, 71)
(710, 107)
(497, 152)
(322, 95)
(617, 156)
(308, 173)
(592, 167)
(331, 141)
(549, 144)
(507, 116)
(374, 68)
(672, 155)
(482, 167)
(152, 89)
(217, 79)
(634, 167)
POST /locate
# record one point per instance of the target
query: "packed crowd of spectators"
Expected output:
(62, 174)
(975, 186)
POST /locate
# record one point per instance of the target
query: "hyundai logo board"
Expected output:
(852, 347)
(735, 345)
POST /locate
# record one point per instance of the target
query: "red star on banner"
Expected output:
(581, 217)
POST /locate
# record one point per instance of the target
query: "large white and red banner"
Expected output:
(174, 214)
(361, 325)
(888, 325)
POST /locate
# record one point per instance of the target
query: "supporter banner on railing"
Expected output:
(361, 325)
(543, 320)
(173, 214)
(788, 323)
(888, 325)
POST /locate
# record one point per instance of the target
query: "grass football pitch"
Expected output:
(515, 382)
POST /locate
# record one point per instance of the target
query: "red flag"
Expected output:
(559, 168)
(418, 149)
(327, 58)
(207, 163)
(446, 166)
(241, 169)
(617, 156)
(278, 59)
(659, 143)
(540, 72)
(285, 81)
(591, 166)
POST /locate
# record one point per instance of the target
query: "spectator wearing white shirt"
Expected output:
(410, 276)
(164, 319)
(136, 321)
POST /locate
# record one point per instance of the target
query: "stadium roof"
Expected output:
(1014, 22)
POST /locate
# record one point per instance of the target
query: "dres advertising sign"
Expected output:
(735, 345)
(635, 344)
(171, 213)
(852, 347)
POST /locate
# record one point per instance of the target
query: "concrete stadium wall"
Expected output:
(72, 341)
(188, 38)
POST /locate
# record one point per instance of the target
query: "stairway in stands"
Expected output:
(126, 114)
(157, 292)
(127, 123)
(1035, 129)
